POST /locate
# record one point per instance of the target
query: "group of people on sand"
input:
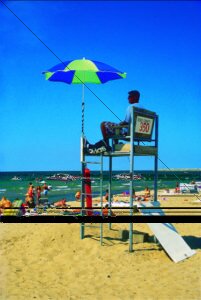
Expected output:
(32, 197)
(33, 194)
(145, 197)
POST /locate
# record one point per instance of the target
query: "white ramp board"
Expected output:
(167, 235)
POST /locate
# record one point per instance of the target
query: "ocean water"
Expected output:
(13, 189)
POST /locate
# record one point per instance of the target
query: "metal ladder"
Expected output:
(84, 164)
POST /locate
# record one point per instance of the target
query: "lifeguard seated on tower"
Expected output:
(137, 129)
(108, 129)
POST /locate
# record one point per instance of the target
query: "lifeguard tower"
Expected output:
(141, 139)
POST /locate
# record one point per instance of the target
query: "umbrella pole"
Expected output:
(82, 158)
(83, 110)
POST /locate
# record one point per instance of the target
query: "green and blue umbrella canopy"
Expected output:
(81, 71)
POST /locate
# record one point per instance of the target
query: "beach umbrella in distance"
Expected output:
(82, 71)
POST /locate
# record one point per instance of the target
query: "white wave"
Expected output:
(60, 190)
(62, 187)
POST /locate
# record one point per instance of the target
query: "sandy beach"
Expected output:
(50, 261)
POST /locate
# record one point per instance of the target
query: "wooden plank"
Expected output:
(167, 235)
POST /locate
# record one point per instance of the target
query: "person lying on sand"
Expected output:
(5, 203)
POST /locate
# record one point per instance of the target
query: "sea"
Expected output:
(17, 189)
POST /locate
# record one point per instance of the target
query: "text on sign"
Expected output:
(143, 125)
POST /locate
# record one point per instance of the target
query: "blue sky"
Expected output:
(158, 45)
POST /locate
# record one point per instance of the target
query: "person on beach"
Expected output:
(45, 189)
(106, 197)
(5, 203)
(106, 211)
(137, 197)
(29, 199)
(38, 194)
(147, 194)
(107, 128)
(78, 195)
(177, 188)
(30, 190)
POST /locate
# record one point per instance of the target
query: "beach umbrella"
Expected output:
(82, 71)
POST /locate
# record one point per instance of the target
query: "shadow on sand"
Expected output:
(193, 242)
